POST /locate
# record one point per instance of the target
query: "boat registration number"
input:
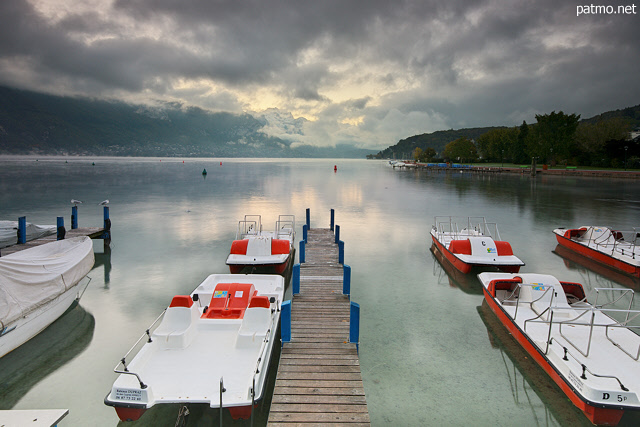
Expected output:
(126, 394)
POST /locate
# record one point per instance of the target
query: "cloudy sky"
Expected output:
(365, 72)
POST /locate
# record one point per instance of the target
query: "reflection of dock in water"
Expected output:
(575, 261)
(526, 377)
(104, 259)
(43, 354)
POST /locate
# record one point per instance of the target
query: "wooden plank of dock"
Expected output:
(319, 380)
(92, 232)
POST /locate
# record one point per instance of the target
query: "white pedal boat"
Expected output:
(619, 250)
(591, 356)
(211, 347)
(263, 251)
(469, 242)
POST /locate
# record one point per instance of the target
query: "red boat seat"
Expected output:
(260, 301)
(462, 247)
(504, 248)
(229, 301)
(279, 246)
(239, 247)
(574, 232)
(181, 301)
(503, 285)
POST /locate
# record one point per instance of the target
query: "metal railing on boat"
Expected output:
(123, 361)
(630, 315)
(618, 241)
(451, 227)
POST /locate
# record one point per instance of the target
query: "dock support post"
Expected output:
(285, 322)
(301, 256)
(333, 215)
(346, 279)
(22, 230)
(337, 233)
(107, 224)
(296, 279)
(60, 228)
(304, 233)
(341, 252)
(308, 218)
(354, 324)
(74, 217)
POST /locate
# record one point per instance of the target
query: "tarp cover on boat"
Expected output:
(9, 232)
(35, 276)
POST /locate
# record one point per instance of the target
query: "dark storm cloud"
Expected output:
(420, 64)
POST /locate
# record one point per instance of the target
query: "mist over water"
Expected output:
(431, 353)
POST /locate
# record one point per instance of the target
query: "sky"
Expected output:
(326, 72)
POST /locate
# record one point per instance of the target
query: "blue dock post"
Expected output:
(301, 256)
(337, 233)
(308, 218)
(22, 230)
(60, 227)
(333, 215)
(354, 324)
(341, 252)
(304, 233)
(74, 217)
(346, 279)
(296, 279)
(285, 321)
(107, 224)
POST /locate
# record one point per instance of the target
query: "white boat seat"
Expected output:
(176, 330)
(255, 324)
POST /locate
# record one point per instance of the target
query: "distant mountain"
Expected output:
(437, 140)
(629, 114)
(35, 123)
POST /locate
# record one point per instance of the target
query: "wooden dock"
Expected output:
(93, 232)
(319, 380)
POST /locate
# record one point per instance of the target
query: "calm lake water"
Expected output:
(431, 352)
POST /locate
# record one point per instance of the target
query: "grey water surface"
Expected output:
(431, 352)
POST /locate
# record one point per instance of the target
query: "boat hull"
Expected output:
(466, 267)
(598, 256)
(22, 330)
(596, 414)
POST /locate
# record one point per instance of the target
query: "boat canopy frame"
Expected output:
(623, 242)
(461, 227)
(630, 315)
(251, 225)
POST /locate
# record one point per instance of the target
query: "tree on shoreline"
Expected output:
(555, 136)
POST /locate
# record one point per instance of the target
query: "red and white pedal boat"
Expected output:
(589, 354)
(469, 242)
(262, 251)
(211, 347)
(616, 249)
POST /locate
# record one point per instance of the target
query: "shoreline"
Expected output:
(527, 171)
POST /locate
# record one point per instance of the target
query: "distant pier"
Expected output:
(523, 170)
(319, 380)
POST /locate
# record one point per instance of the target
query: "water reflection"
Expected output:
(585, 266)
(444, 270)
(104, 260)
(58, 344)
